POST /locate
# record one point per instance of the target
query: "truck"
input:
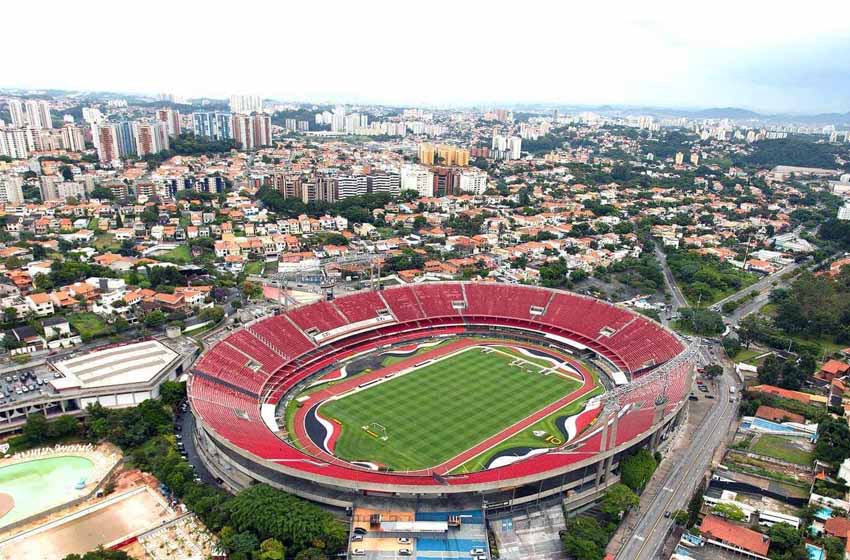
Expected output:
(731, 390)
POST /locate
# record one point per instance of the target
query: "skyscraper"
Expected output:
(426, 153)
(246, 104)
(14, 143)
(126, 138)
(150, 138)
(212, 125)
(10, 189)
(16, 110)
(171, 118)
(73, 138)
(107, 142)
(243, 131)
(262, 130)
(38, 113)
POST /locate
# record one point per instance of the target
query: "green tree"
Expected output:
(172, 392)
(617, 500)
(584, 538)
(100, 554)
(35, 430)
(680, 517)
(155, 318)
(63, 426)
(271, 549)
(252, 290)
(637, 469)
(786, 542)
(713, 371)
(729, 511)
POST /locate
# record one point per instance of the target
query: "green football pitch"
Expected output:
(436, 412)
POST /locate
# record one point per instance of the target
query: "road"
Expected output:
(763, 285)
(651, 528)
(678, 297)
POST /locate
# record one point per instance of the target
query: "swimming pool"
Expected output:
(42, 484)
(815, 552)
(768, 426)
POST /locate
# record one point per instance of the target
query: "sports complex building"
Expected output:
(477, 394)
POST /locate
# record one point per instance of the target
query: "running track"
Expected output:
(460, 459)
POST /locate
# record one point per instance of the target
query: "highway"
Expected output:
(651, 528)
(763, 285)
(678, 297)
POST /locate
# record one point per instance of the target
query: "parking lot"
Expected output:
(26, 384)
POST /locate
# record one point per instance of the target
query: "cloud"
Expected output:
(763, 56)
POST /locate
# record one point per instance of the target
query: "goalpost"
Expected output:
(377, 431)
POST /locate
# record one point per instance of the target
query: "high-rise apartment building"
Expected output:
(452, 155)
(16, 111)
(216, 126)
(73, 138)
(106, 143)
(246, 104)
(38, 113)
(426, 153)
(150, 138)
(126, 138)
(15, 142)
(417, 178)
(474, 182)
(11, 189)
(262, 130)
(171, 118)
(243, 131)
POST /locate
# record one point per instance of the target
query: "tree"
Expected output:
(100, 554)
(834, 548)
(252, 290)
(172, 392)
(155, 318)
(584, 538)
(63, 426)
(833, 444)
(35, 430)
(786, 543)
(102, 193)
(729, 511)
(617, 500)
(637, 469)
(713, 371)
(311, 554)
(271, 549)
(680, 517)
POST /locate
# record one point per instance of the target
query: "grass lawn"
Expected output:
(106, 241)
(254, 267)
(747, 355)
(179, 255)
(825, 342)
(89, 325)
(439, 411)
(526, 438)
(781, 448)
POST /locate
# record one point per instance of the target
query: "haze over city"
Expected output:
(767, 57)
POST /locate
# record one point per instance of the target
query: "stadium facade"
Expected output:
(239, 386)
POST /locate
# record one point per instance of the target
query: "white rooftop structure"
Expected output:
(139, 362)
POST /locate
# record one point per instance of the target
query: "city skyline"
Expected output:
(463, 55)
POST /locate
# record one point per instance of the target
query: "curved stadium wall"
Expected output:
(239, 381)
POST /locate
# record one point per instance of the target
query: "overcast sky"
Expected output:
(768, 56)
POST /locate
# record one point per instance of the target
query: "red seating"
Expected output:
(278, 333)
(230, 365)
(436, 299)
(361, 306)
(245, 341)
(503, 300)
(321, 316)
(403, 303)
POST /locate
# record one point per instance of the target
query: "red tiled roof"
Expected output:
(837, 526)
(730, 533)
(778, 415)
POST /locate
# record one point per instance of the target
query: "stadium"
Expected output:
(477, 393)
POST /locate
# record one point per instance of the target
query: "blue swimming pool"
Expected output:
(815, 552)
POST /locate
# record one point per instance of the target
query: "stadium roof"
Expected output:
(139, 362)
